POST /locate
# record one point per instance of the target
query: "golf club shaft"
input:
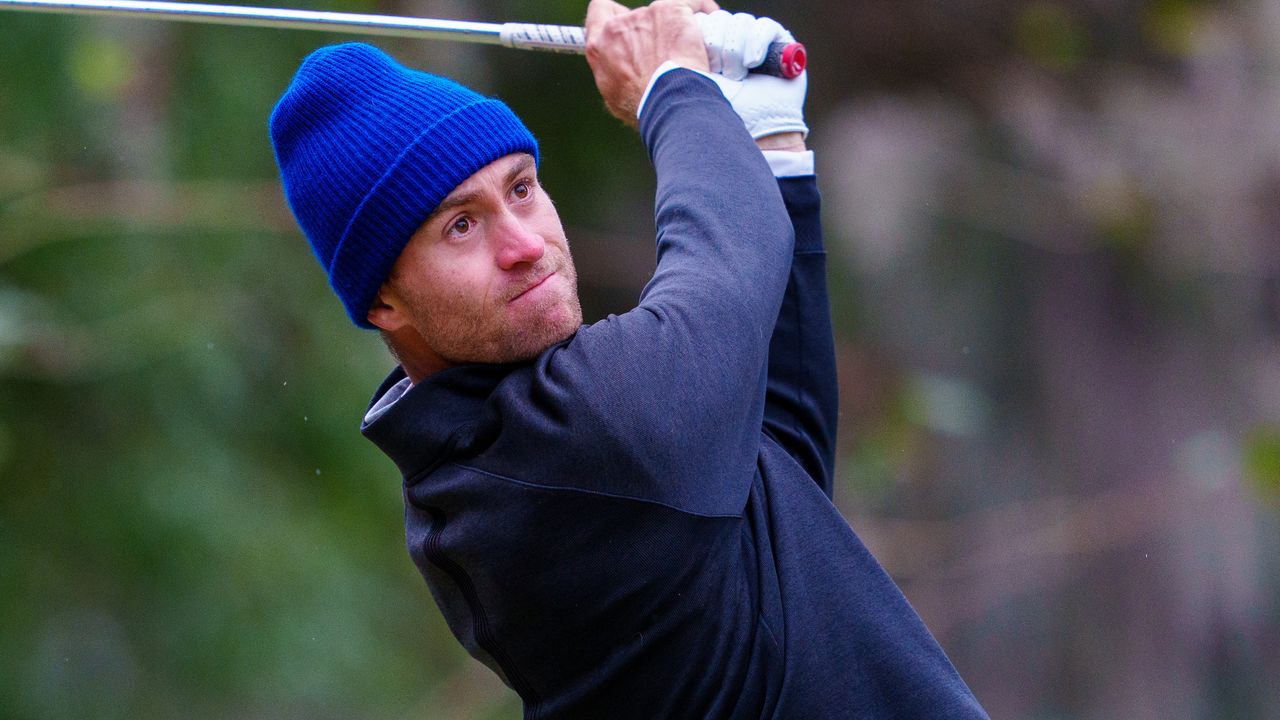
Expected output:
(784, 60)
(562, 38)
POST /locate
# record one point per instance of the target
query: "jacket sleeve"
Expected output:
(802, 400)
(666, 402)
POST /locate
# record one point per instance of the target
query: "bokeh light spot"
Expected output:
(100, 67)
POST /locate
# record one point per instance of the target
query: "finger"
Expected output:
(713, 29)
(737, 35)
(764, 32)
(599, 12)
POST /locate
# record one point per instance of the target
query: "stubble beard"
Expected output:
(461, 330)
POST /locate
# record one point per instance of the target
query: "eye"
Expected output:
(461, 226)
(522, 189)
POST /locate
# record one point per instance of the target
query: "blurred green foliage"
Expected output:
(1262, 461)
(1050, 33)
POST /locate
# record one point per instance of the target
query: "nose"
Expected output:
(517, 244)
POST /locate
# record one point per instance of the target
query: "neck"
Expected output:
(414, 355)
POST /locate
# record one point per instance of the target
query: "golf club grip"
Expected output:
(784, 60)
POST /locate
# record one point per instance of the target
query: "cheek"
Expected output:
(552, 231)
(546, 217)
(449, 281)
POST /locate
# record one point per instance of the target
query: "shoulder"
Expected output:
(570, 421)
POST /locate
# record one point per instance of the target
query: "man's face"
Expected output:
(488, 277)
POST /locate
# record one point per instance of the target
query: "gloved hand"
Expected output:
(768, 105)
(736, 42)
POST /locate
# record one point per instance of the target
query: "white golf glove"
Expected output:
(737, 42)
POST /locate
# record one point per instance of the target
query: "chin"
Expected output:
(519, 336)
(536, 344)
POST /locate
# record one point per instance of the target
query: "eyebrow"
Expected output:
(521, 167)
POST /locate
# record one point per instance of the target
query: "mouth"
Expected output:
(532, 287)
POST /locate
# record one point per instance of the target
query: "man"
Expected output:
(628, 519)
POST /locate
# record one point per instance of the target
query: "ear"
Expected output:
(387, 312)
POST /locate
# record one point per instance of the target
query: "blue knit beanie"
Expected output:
(368, 148)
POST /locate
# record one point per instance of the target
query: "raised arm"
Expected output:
(802, 400)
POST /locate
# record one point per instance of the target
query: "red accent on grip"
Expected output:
(784, 60)
(794, 60)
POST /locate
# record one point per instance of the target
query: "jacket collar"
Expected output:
(441, 413)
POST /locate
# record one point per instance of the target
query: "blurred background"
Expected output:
(1054, 234)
